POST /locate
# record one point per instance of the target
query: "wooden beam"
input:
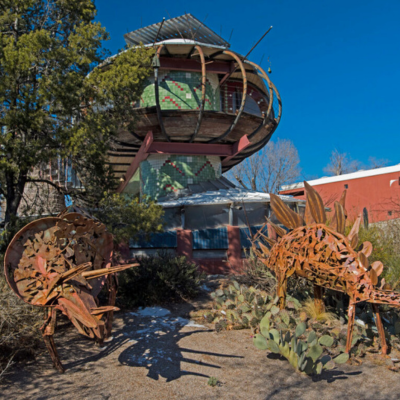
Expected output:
(191, 65)
(191, 149)
(237, 147)
(228, 74)
(140, 156)
(226, 151)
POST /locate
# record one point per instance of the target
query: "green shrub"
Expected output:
(385, 240)
(212, 381)
(256, 274)
(19, 327)
(241, 307)
(157, 280)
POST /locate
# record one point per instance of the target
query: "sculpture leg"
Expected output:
(381, 330)
(112, 288)
(100, 334)
(350, 326)
(318, 300)
(48, 332)
(282, 286)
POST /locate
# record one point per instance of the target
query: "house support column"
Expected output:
(234, 252)
(184, 243)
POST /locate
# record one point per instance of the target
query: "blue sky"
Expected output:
(335, 63)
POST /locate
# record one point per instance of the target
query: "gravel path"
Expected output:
(158, 354)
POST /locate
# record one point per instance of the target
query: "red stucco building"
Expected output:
(377, 190)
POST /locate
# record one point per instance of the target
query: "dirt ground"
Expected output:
(161, 356)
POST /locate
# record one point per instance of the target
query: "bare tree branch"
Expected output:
(267, 170)
(58, 187)
(377, 162)
(341, 163)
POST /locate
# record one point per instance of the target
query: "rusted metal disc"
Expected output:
(16, 248)
(73, 239)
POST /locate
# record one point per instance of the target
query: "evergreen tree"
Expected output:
(59, 94)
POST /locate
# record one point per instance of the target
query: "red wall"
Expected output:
(234, 262)
(373, 192)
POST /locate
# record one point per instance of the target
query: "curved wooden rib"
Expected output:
(258, 146)
(203, 91)
(243, 70)
(157, 94)
(278, 97)
(270, 100)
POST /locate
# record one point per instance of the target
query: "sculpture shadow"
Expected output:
(153, 343)
(155, 346)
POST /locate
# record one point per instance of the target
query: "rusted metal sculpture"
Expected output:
(62, 263)
(324, 256)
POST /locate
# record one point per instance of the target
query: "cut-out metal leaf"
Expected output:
(264, 249)
(260, 236)
(373, 276)
(354, 241)
(279, 231)
(378, 267)
(363, 259)
(284, 214)
(354, 230)
(316, 204)
(339, 217)
(307, 215)
(367, 248)
(342, 201)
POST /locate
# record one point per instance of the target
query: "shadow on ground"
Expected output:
(153, 343)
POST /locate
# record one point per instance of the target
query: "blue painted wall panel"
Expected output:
(210, 239)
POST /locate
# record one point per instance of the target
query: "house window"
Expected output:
(346, 186)
(389, 213)
(399, 180)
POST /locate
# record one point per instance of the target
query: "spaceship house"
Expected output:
(205, 109)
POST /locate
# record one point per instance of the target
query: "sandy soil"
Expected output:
(161, 358)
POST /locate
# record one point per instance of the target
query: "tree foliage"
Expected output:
(267, 170)
(128, 218)
(50, 107)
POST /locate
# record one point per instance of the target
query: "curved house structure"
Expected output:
(204, 110)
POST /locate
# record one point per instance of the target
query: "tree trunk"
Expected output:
(14, 194)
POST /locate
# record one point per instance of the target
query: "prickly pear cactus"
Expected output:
(303, 349)
(241, 307)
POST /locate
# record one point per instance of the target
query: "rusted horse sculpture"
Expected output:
(324, 256)
(61, 263)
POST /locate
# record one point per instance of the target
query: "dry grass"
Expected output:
(19, 327)
(312, 311)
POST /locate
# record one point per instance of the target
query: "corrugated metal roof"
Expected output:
(344, 177)
(196, 195)
(186, 27)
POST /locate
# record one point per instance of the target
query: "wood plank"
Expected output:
(140, 156)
